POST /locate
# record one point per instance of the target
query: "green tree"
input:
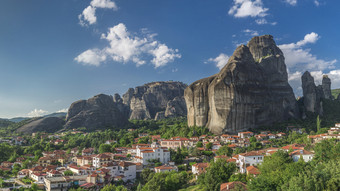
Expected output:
(68, 173)
(199, 144)
(224, 150)
(217, 173)
(104, 148)
(1, 183)
(318, 123)
(209, 146)
(34, 187)
(111, 187)
(146, 175)
(169, 181)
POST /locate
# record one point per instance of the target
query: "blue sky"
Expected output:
(53, 53)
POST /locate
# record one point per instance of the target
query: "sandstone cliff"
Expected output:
(99, 111)
(251, 90)
(156, 100)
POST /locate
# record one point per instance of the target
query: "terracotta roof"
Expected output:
(126, 164)
(221, 156)
(294, 147)
(246, 132)
(252, 153)
(231, 185)
(87, 185)
(301, 152)
(253, 170)
(201, 165)
(103, 156)
(165, 167)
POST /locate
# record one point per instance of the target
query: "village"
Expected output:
(90, 170)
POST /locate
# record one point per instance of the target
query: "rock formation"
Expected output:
(44, 124)
(326, 87)
(313, 95)
(251, 90)
(145, 102)
(100, 111)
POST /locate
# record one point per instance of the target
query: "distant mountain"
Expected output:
(59, 114)
(17, 119)
(45, 124)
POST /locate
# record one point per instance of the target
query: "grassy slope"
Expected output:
(335, 92)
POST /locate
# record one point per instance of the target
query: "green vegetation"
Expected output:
(279, 172)
(335, 92)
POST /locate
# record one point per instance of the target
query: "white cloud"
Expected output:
(291, 2)
(251, 32)
(104, 4)
(264, 21)
(65, 110)
(37, 113)
(220, 61)
(162, 55)
(299, 59)
(125, 47)
(88, 16)
(91, 57)
(317, 3)
(248, 8)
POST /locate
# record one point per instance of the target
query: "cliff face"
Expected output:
(99, 111)
(251, 90)
(161, 99)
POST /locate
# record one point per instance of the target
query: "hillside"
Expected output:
(335, 93)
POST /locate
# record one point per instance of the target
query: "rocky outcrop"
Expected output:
(326, 87)
(100, 111)
(42, 124)
(313, 95)
(146, 101)
(251, 90)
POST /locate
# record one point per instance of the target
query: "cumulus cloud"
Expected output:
(299, 59)
(91, 57)
(251, 32)
(248, 8)
(88, 16)
(37, 113)
(291, 2)
(220, 61)
(124, 47)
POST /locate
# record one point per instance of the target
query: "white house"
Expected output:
(63, 183)
(166, 168)
(306, 155)
(145, 154)
(252, 158)
(127, 170)
(101, 159)
(38, 177)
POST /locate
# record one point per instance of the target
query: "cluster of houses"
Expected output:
(333, 133)
(59, 170)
